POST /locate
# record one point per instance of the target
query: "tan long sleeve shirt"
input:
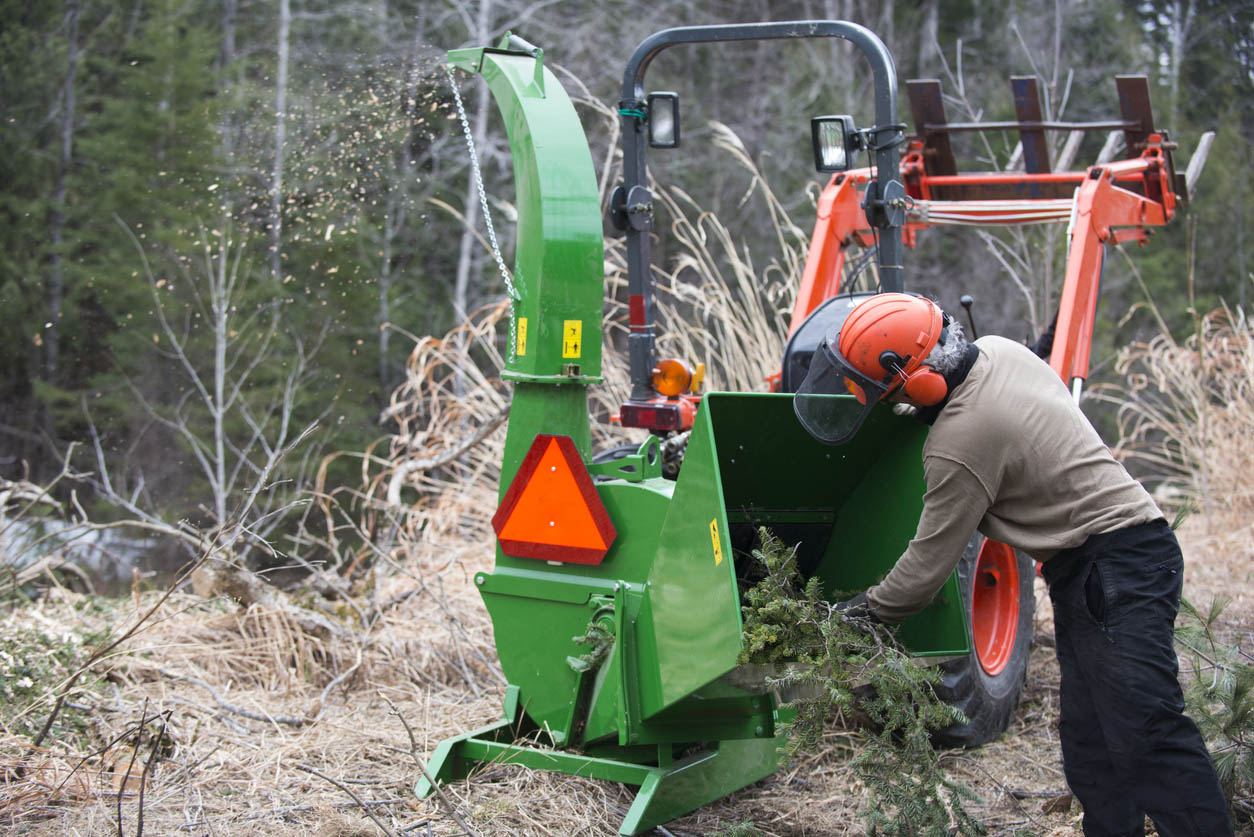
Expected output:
(1012, 456)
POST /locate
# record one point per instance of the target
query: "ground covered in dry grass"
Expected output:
(215, 719)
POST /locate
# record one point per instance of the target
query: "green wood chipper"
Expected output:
(649, 559)
(642, 567)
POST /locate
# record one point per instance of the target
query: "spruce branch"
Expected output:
(1220, 699)
(841, 667)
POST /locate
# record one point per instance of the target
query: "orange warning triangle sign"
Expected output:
(551, 510)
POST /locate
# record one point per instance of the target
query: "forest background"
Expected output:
(225, 222)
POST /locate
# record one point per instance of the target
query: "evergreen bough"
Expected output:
(1220, 700)
(840, 666)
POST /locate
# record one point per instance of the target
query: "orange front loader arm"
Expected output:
(839, 216)
(1102, 205)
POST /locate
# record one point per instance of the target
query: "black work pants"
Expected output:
(1127, 748)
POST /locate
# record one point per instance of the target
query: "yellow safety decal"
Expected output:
(718, 548)
(522, 336)
(572, 337)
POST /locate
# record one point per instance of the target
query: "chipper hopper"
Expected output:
(642, 567)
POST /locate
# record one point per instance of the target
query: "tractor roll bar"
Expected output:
(633, 204)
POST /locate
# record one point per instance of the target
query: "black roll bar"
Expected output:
(635, 204)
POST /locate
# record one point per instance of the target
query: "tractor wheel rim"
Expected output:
(995, 606)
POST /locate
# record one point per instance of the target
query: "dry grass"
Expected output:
(1186, 414)
(249, 696)
(1186, 418)
(223, 773)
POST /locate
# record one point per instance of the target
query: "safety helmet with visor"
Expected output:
(879, 348)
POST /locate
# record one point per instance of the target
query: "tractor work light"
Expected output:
(671, 377)
(663, 119)
(834, 138)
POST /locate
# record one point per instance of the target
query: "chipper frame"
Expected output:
(644, 567)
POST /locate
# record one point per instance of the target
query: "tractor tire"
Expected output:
(986, 684)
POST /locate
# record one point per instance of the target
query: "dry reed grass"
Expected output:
(248, 697)
(1186, 418)
(1186, 413)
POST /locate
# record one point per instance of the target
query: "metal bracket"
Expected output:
(644, 464)
(618, 208)
(640, 208)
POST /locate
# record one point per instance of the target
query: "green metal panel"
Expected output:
(700, 779)
(692, 633)
(874, 526)
(538, 608)
(542, 408)
(708, 715)
(853, 508)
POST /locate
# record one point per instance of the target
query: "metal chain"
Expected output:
(510, 290)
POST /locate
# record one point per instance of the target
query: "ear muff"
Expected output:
(926, 387)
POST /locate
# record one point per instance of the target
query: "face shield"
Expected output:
(835, 399)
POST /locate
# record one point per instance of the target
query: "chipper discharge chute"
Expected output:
(644, 568)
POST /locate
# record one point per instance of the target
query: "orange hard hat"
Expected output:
(890, 335)
(879, 348)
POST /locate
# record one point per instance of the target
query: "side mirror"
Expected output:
(663, 120)
(834, 139)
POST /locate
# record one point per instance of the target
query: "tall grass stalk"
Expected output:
(1186, 415)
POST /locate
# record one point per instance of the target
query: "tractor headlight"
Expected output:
(834, 139)
(663, 120)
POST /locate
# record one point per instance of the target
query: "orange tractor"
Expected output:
(1111, 202)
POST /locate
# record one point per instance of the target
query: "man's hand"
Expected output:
(857, 608)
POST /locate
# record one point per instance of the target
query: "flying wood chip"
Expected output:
(551, 510)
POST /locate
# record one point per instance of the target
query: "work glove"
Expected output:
(856, 609)
(907, 410)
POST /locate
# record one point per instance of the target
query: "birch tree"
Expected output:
(56, 278)
(242, 378)
(280, 139)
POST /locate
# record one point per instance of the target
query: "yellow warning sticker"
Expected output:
(572, 338)
(522, 336)
(718, 548)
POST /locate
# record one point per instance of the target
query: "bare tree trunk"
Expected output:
(929, 39)
(1181, 23)
(1242, 275)
(280, 138)
(221, 287)
(230, 9)
(466, 256)
(844, 53)
(56, 278)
